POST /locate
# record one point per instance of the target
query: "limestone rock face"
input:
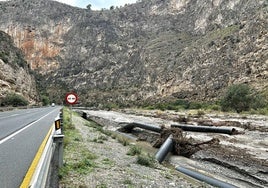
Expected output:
(180, 49)
(14, 73)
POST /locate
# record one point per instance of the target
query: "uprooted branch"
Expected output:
(181, 144)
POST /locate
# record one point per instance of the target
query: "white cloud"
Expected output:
(95, 4)
(69, 2)
(98, 4)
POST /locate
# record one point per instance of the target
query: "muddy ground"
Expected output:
(240, 159)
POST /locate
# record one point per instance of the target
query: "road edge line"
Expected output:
(27, 179)
(22, 129)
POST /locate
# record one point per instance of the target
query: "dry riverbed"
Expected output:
(239, 159)
(94, 157)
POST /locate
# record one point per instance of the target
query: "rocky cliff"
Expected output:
(14, 72)
(148, 50)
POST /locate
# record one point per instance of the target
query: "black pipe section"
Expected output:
(204, 178)
(164, 149)
(131, 126)
(207, 129)
(84, 115)
(127, 135)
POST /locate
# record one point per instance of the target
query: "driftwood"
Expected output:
(181, 145)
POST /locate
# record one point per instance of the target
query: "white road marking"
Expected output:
(19, 131)
(9, 116)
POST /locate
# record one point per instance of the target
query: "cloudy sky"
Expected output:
(97, 4)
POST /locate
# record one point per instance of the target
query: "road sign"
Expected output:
(71, 98)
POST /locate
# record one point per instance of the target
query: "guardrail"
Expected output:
(9, 108)
(46, 172)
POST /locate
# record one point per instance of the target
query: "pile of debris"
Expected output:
(181, 144)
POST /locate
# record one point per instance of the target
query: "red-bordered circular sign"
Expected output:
(71, 98)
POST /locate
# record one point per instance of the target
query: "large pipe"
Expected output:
(193, 128)
(204, 178)
(131, 126)
(164, 149)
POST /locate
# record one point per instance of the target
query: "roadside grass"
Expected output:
(142, 157)
(98, 128)
(81, 160)
(123, 140)
(129, 183)
(146, 160)
(108, 162)
(134, 150)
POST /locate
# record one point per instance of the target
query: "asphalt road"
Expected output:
(21, 134)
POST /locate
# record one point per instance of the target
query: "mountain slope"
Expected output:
(148, 50)
(14, 72)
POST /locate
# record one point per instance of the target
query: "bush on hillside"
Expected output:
(240, 98)
(45, 100)
(13, 99)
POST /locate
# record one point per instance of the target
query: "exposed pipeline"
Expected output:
(164, 149)
(167, 147)
(131, 126)
(204, 178)
(225, 130)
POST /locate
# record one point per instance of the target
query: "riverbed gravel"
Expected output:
(113, 167)
(239, 159)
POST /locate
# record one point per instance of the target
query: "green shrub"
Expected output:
(241, 98)
(182, 103)
(124, 141)
(263, 111)
(200, 113)
(178, 104)
(215, 107)
(127, 182)
(45, 100)
(196, 105)
(258, 102)
(110, 106)
(13, 99)
(146, 160)
(134, 150)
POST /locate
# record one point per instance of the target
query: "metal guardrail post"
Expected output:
(57, 158)
(46, 173)
(61, 121)
(58, 140)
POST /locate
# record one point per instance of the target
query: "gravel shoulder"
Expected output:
(95, 159)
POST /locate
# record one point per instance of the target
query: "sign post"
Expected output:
(71, 98)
